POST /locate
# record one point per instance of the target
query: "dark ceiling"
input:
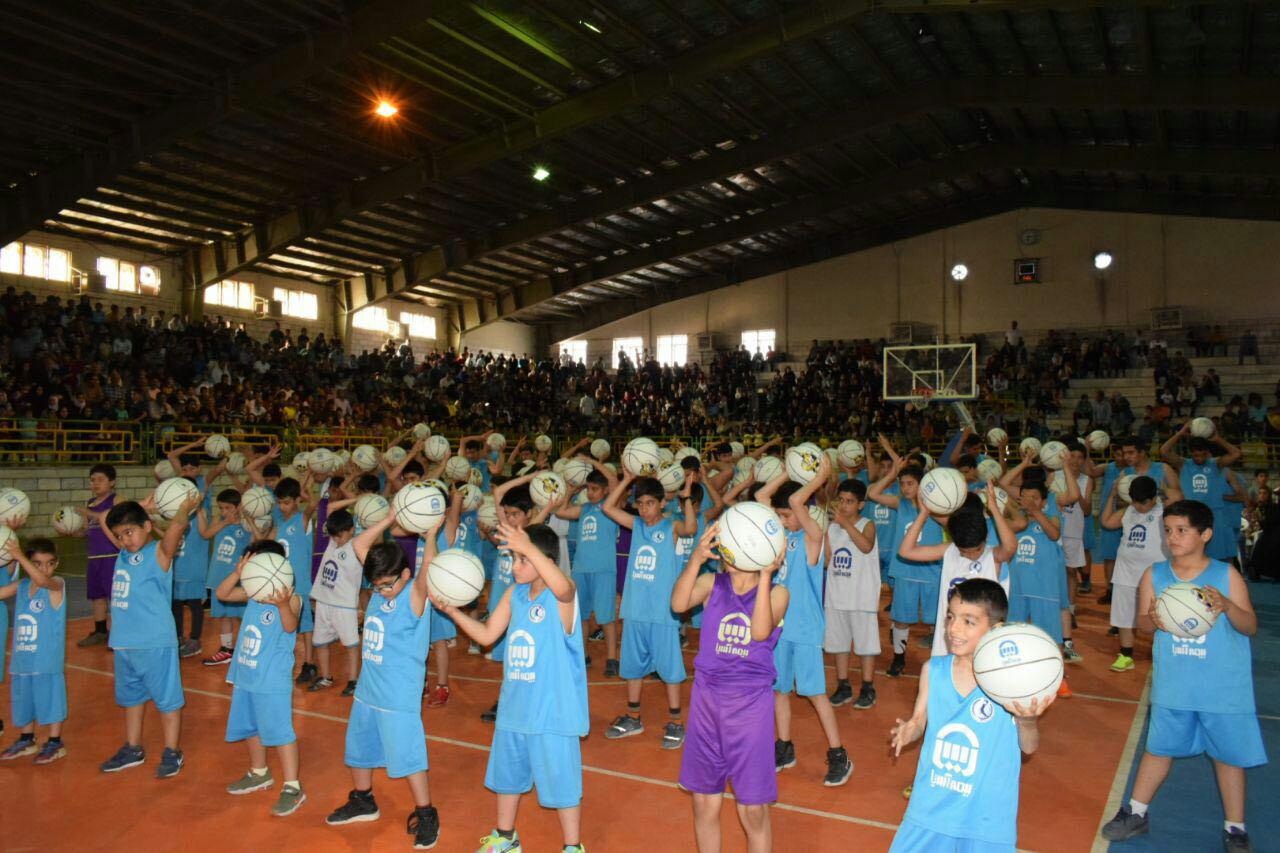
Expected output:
(691, 143)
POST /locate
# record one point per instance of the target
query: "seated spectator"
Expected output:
(1249, 348)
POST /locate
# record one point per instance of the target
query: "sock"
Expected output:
(1072, 608)
(367, 792)
(31, 736)
(505, 833)
(1127, 651)
(293, 783)
(868, 685)
(1068, 643)
(1140, 809)
(1229, 825)
(56, 740)
(842, 682)
(226, 640)
(259, 771)
(633, 709)
(674, 712)
(899, 636)
(100, 627)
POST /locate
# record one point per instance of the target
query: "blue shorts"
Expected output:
(1044, 613)
(596, 595)
(190, 588)
(1090, 538)
(1064, 587)
(39, 698)
(913, 838)
(1234, 739)
(391, 739)
(306, 618)
(914, 601)
(442, 627)
(550, 763)
(267, 715)
(220, 609)
(651, 647)
(800, 668)
(149, 675)
(1108, 544)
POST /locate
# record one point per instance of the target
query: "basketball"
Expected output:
(441, 485)
(436, 448)
(164, 470)
(543, 444)
(820, 516)
(1203, 427)
(547, 487)
(457, 576)
(929, 463)
(526, 467)
(395, 455)
(266, 575)
(943, 490)
(300, 462)
(1122, 487)
(235, 463)
(576, 472)
(322, 461)
(600, 449)
(471, 497)
(257, 501)
(1058, 483)
(475, 478)
(802, 462)
(370, 509)
(487, 514)
(737, 450)
(366, 457)
(1184, 611)
(5, 535)
(169, 496)
(997, 436)
(496, 442)
(751, 535)
(421, 431)
(744, 466)
(768, 468)
(66, 520)
(1002, 500)
(1017, 662)
(672, 478)
(686, 452)
(641, 458)
(217, 446)
(457, 469)
(665, 456)
(419, 507)
(1098, 440)
(988, 469)
(1031, 445)
(558, 465)
(14, 504)
(1053, 455)
(851, 453)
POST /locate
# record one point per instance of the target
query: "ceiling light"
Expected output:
(959, 272)
(540, 173)
(386, 109)
(1102, 260)
(591, 27)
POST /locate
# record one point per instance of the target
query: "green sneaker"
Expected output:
(1123, 663)
(290, 799)
(250, 782)
(495, 843)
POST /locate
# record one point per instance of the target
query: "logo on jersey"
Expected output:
(842, 563)
(1199, 483)
(134, 559)
(587, 530)
(983, 710)
(250, 645)
(120, 589)
(388, 605)
(226, 548)
(791, 542)
(374, 634)
(25, 632)
(646, 563)
(1192, 647)
(521, 654)
(537, 613)
(658, 537)
(505, 564)
(1027, 547)
(881, 514)
(1137, 536)
(329, 573)
(733, 635)
(37, 605)
(268, 616)
(955, 751)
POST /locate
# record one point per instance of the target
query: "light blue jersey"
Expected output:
(141, 602)
(228, 546)
(597, 541)
(544, 679)
(930, 534)
(651, 573)
(293, 534)
(39, 632)
(263, 661)
(1202, 483)
(191, 565)
(1036, 564)
(394, 654)
(885, 518)
(806, 622)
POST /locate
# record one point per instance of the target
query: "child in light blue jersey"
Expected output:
(594, 560)
(38, 681)
(230, 537)
(262, 677)
(291, 527)
(1200, 478)
(1036, 571)
(543, 705)
(1202, 688)
(448, 535)
(965, 794)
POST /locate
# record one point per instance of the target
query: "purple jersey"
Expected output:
(727, 656)
(322, 538)
(409, 545)
(101, 553)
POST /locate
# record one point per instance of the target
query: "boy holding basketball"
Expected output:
(594, 559)
(965, 794)
(262, 677)
(336, 593)
(101, 552)
(1037, 582)
(230, 538)
(853, 594)
(1202, 688)
(38, 682)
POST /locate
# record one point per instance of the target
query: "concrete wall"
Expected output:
(503, 337)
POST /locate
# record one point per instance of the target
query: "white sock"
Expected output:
(293, 783)
(226, 640)
(899, 636)
(1229, 825)
(1072, 608)
(1139, 809)
(259, 771)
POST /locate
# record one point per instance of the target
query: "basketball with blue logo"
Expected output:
(266, 575)
(419, 507)
(370, 509)
(1017, 662)
(943, 491)
(751, 536)
(366, 457)
(457, 576)
(1184, 611)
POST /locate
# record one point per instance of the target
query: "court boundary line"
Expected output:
(1124, 766)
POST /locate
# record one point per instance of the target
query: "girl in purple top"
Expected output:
(730, 733)
(102, 554)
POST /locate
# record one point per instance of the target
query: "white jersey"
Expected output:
(338, 580)
(1073, 515)
(1141, 544)
(853, 578)
(561, 527)
(957, 568)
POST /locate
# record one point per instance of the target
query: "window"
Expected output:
(36, 261)
(633, 347)
(577, 351)
(229, 294)
(373, 318)
(128, 277)
(673, 349)
(419, 325)
(758, 341)
(297, 303)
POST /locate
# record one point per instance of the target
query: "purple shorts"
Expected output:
(98, 577)
(729, 740)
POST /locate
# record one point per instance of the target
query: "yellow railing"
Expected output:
(26, 442)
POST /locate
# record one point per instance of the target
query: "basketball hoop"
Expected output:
(922, 394)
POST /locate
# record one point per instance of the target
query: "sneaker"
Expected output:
(624, 726)
(1070, 655)
(1064, 690)
(350, 689)
(95, 638)
(843, 694)
(1125, 825)
(1105, 598)
(784, 755)
(20, 748)
(288, 801)
(125, 757)
(474, 649)
(360, 806)
(250, 782)
(906, 792)
(898, 666)
(189, 648)
(573, 848)
(320, 683)
(495, 843)
(51, 752)
(491, 715)
(488, 656)
(221, 657)
(673, 735)
(307, 674)
(424, 825)
(1113, 631)
(171, 761)
(1123, 663)
(596, 636)
(439, 697)
(684, 639)
(1085, 588)
(611, 668)
(1236, 841)
(839, 767)
(866, 698)
(925, 642)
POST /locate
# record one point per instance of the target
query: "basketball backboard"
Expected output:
(931, 372)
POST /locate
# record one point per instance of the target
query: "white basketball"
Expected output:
(475, 478)
(1098, 440)
(471, 497)
(487, 514)
(217, 445)
(14, 504)
(366, 457)
(1002, 499)
(395, 455)
(526, 467)
(235, 462)
(257, 501)
(600, 449)
(421, 431)
(686, 452)
(820, 516)
(5, 535)
(457, 576)
(1058, 483)
(496, 441)
(1053, 455)
(988, 469)
(768, 468)
(929, 464)
(665, 456)
(265, 575)
(559, 465)
(1029, 444)
(1122, 487)
(641, 457)
(547, 487)
(343, 456)
(1202, 427)
(322, 461)
(737, 450)
(802, 462)
(744, 466)
(1017, 662)
(576, 472)
(672, 478)
(1184, 611)
(67, 521)
(164, 470)
(441, 485)
(751, 536)
(542, 444)
(943, 490)
(169, 496)
(370, 509)
(436, 448)
(301, 462)
(457, 469)
(851, 453)
(419, 507)
(997, 436)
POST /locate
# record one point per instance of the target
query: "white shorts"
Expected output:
(1073, 552)
(335, 623)
(857, 628)
(1124, 605)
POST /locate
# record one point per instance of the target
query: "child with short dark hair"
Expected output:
(594, 560)
(230, 538)
(852, 601)
(1141, 547)
(101, 552)
(337, 596)
(190, 573)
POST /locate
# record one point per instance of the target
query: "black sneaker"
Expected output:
(839, 767)
(360, 806)
(843, 694)
(1236, 841)
(306, 675)
(1113, 631)
(784, 755)
(424, 825)
(898, 666)
(1125, 825)
(1084, 588)
(611, 668)
(350, 689)
(491, 715)
(866, 698)
(596, 636)
(1105, 598)
(320, 683)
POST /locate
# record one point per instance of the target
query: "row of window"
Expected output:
(241, 296)
(375, 319)
(671, 349)
(35, 261)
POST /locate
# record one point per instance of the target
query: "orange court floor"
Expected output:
(631, 801)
